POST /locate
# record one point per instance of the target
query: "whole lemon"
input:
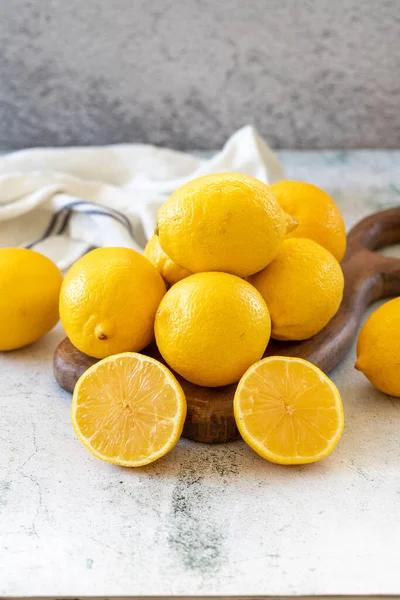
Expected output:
(378, 348)
(317, 214)
(168, 269)
(223, 222)
(30, 285)
(303, 288)
(108, 301)
(210, 327)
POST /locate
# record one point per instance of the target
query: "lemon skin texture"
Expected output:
(303, 288)
(169, 271)
(30, 285)
(319, 218)
(223, 222)
(210, 327)
(108, 302)
(378, 348)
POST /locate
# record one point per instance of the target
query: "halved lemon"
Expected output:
(288, 411)
(128, 409)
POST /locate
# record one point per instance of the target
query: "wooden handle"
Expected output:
(374, 232)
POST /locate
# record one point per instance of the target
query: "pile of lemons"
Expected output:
(225, 245)
(233, 262)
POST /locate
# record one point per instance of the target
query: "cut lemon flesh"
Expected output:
(128, 409)
(288, 411)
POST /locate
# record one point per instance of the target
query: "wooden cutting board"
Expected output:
(369, 276)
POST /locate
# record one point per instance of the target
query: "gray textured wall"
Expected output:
(187, 73)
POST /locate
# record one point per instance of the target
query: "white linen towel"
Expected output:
(64, 201)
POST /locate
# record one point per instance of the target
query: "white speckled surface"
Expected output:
(204, 520)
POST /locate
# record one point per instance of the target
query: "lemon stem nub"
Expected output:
(291, 223)
(100, 333)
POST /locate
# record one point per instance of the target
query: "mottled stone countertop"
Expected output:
(206, 520)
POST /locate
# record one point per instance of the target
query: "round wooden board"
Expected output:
(369, 276)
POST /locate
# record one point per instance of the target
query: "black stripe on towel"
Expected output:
(61, 218)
